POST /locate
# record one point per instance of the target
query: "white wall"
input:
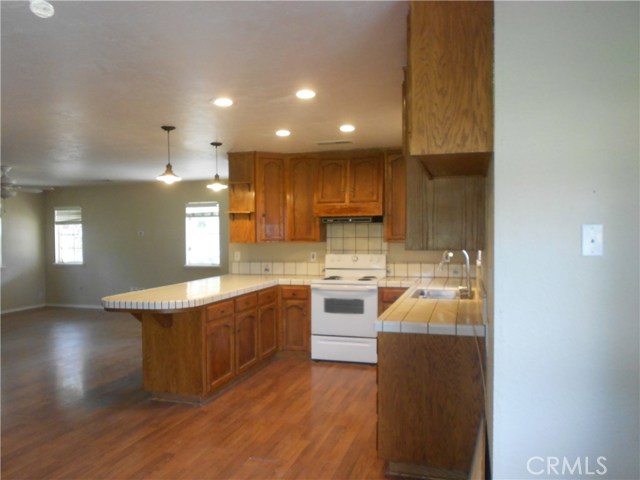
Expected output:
(23, 271)
(566, 327)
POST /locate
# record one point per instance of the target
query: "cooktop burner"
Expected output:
(366, 278)
(333, 277)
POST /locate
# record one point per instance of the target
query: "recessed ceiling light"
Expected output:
(305, 94)
(347, 128)
(222, 102)
(283, 133)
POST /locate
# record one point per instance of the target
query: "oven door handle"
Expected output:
(345, 288)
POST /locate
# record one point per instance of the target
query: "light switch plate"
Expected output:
(236, 256)
(592, 240)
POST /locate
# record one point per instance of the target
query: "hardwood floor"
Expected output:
(73, 408)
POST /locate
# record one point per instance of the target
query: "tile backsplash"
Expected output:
(399, 270)
(356, 238)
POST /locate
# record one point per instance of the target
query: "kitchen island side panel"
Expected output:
(430, 399)
(173, 352)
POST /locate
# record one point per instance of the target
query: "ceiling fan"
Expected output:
(9, 187)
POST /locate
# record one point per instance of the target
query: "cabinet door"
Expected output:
(331, 178)
(246, 340)
(302, 225)
(387, 296)
(455, 212)
(366, 175)
(450, 78)
(395, 197)
(270, 197)
(220, 341)
(268, 321)
(296, 324)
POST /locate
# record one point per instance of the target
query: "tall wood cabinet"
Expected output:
(449, 85)
(350, 183)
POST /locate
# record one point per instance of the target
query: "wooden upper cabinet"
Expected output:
(449, 84)
(270, 197)
(446, 213)
(395, 191)
(366, 176)
(350, 183)
(302, 225)
(331, 185)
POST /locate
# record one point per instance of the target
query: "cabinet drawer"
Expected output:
(391, 294)
(219, 310)
(267, 296)
(295, 292)
(246, 302)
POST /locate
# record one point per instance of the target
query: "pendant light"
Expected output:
(168, 176)
(41, 8)
(217, 185)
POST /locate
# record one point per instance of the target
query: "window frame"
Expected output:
(56, 223)
(216, 215)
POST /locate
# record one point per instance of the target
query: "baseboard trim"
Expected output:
(44, 305)
(22, 309)
(65, 305)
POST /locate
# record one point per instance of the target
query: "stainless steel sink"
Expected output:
(435, 294)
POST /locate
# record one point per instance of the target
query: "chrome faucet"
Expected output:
(465, 291)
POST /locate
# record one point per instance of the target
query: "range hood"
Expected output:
(372, 219)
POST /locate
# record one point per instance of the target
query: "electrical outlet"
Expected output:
(236, 256)
(313, 257)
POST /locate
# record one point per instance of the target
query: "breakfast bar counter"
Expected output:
(199, 336)
(196, 293)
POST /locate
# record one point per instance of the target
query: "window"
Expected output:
(202, 226)
(68, 235)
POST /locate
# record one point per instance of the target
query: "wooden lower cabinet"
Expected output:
(430, 402)
(268, 322)
(220, 352)
(388, 295)
(246, 317)
(246, 340)
(295, 318)
(190, 354)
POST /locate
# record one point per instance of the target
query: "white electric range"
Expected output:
(344, 308)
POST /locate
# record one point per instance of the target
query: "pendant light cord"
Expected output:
(169, 147)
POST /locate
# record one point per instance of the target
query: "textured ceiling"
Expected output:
(84, 93)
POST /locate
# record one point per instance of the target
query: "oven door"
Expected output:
(344, 310)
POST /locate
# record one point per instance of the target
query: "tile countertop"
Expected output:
(435, 316)
(198, 292)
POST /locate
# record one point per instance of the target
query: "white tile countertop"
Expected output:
(409, 315)
(435, 316)
(198, 292)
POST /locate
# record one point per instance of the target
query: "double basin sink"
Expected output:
(441, 294)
